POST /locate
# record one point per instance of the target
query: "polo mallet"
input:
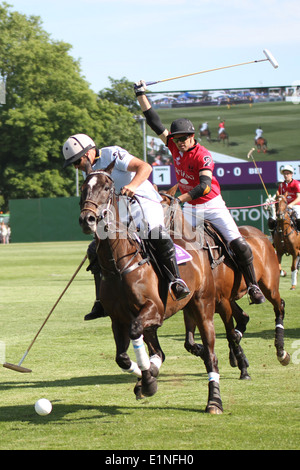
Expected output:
(18, 367)
(269, 57)
(250, 155)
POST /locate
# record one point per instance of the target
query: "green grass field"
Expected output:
(94, 406)
(280, 122)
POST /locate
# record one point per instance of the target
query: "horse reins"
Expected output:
(101, 216)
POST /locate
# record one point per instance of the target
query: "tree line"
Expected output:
(47, 99)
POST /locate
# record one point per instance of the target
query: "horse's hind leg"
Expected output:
(274, 298)
(282, 355)
(236, 355)
(240, 317)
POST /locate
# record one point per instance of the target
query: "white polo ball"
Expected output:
(43, 407)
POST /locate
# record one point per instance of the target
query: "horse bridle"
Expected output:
(86, 203)
(280, 216)
(101, 216)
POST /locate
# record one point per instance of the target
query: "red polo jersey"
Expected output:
(187, 167)
(291, 188)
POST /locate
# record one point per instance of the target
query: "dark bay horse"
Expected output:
(132, 290)
(230, 286)
(286, 239)
(206, 133)
(261, 144)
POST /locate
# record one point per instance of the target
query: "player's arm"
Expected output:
(152, 118)
(295, 201)
(142, 172)
(203, 188)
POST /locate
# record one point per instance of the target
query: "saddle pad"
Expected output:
(182, 256)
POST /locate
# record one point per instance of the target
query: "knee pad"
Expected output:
(242, 250)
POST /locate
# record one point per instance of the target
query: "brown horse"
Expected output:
(261, 144)
(206, 133)
(133, 290)
(224, 137)
(230, 286)
(286, 239)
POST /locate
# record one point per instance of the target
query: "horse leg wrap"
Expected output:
(214, 403)
(294, 277)
(213, 377)
(133, 369)
(141, 355)
(155, 365)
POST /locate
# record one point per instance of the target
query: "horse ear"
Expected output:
(110, 167)
(88, 167)
(172, 191)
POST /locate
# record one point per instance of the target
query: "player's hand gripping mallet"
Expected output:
(269, 57)
(18, 367)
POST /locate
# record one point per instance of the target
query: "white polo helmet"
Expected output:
(75, 147)
(287, 168)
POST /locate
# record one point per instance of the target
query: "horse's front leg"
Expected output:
(202, 312)
(122, 343)
(148, 385)
(157, 355)
(294, 272)
(279, 257)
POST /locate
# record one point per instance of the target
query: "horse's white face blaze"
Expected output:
(92, 182)
(96, 192)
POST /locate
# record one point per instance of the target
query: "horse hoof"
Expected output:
(138, 390)
(284, 359)
(245, 376)
(150, 388)
(154, 370)
(213, 410)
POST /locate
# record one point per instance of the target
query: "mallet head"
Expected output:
(271, 58)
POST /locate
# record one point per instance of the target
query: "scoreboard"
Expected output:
(230, 174)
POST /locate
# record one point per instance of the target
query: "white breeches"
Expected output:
(215, 212)
(149, 211)
(296, 208)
